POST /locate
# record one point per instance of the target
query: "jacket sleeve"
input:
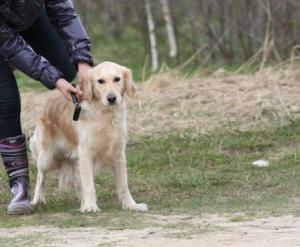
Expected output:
(19, 54)
(67, 23)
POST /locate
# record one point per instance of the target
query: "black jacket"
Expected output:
(17, 15)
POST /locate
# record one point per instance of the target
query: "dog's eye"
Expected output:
(101, 81)
(116, 79)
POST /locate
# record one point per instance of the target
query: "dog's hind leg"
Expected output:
(44, 163)
(39, 195)
(69, 177)
(125, 198)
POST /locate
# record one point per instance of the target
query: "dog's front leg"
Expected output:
(124, 194)
(86, 171)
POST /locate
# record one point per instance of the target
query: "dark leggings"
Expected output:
(45, 41)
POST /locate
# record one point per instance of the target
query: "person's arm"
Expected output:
(19, 54)
(67, 23)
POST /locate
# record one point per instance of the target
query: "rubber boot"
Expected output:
(14, 156)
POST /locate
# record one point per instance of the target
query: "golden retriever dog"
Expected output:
(97, 140)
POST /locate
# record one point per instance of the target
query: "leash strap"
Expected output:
(77, 106)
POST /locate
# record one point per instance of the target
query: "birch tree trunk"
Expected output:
(152, 35)
(169, 28)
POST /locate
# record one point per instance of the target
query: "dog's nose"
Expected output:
(111, 99)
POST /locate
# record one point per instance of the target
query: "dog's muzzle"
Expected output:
(112, 99)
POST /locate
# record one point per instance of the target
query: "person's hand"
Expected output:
(83, 70)
(66, 89)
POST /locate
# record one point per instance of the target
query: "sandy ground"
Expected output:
(175, 231)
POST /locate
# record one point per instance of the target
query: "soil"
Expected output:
(175, 231)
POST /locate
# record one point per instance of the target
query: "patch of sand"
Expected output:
(173, 231)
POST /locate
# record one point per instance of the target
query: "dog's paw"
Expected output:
(141, 207)
(137, 206)
(89, 208)
(37, 200)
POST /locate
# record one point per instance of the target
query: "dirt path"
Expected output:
(164, 231)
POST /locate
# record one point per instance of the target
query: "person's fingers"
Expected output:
(68, 96)
(66, 89)
(71, 89)
(81, 86)
(67, 92)
(79, 92)
(75, 90)
(79, 97)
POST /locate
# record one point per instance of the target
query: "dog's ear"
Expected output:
(87, 87)
(130, 87)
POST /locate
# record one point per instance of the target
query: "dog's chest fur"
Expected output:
(103, 132)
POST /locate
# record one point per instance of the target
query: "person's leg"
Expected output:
(12, 141)
(45, 41)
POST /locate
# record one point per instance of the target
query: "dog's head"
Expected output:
(108, 83)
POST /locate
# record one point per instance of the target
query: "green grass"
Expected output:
(187, 173)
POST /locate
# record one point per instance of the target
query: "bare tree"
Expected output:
(169, 28)
(152, 35)
(115, 16)
(210, 31)
(227, 26)
(140, 21)
(192, 14)
(232, 30)
(258, 23)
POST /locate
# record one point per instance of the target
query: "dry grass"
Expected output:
(169, 102)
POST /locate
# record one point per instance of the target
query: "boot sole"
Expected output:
(18, 210)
